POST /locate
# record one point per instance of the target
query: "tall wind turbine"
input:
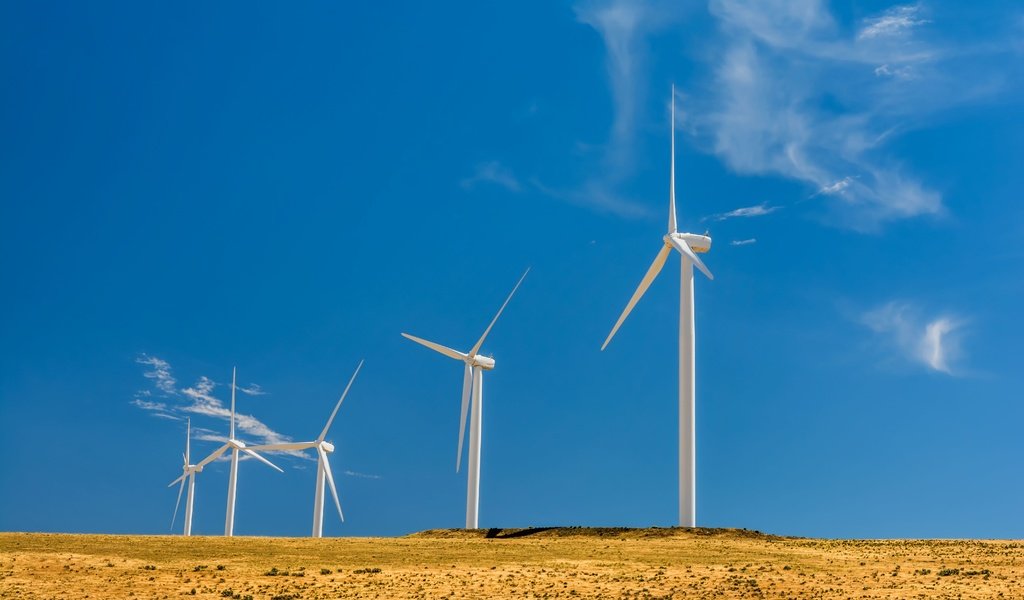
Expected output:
(688, 245)
(472, 379)
(236, 446)
(188, 475)
(323, 466)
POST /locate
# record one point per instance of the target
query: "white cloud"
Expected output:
(896, 21)
(837, 187)
(362, 475)
(492, 172)
(934, 342)
(791, 96)
(624, 26)
(199, 399)
(746, 242)
(160, 373)
(758, 210)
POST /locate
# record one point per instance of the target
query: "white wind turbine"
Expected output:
(688, 244)
(236, 447)
(188, 475)
(472, 379)
(323, 466)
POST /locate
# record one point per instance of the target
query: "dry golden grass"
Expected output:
(541, 563)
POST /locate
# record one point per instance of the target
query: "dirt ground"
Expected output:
(530, 563)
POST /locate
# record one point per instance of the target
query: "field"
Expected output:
(531, 563)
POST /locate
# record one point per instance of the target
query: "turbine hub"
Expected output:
(697, 243)
(484, 362)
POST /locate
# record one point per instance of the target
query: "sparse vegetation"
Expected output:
(554, 563)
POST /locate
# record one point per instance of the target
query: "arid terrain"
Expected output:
(531, 563)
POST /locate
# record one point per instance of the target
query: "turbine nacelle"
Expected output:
(697, 243)
(484, 362)
(327, 446)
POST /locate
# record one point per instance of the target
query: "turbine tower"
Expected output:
(236, 447)
(188, 475)
(323, 466)
(688, 245)
(473, 379)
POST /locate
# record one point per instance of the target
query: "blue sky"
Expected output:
(285, 189)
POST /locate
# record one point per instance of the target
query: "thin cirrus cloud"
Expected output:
(198, 399)
(624, 26)
(789, 90)
(493, 173)
(745, 242)
(758, 210)
(934, 342)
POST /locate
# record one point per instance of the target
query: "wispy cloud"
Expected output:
(199, 399)
(793, 95)
(746, 242)
(361, 475)
(757, 210)
(494, 173)
(159, 372)
(896, 21)
(624, 27)
(934, 342)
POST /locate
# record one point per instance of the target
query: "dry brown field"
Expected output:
(511, 563)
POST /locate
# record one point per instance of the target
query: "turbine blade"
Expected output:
(262, 460)
(437, 347)
(480, 342)
(182, 477)
(467, 385)
(213, 455)
(288, 446)
(178, 503)
(688, 252)
(323, 433)
(188, 439)
(330, 481)
(233, 370)
(672, 171)
(659, 262)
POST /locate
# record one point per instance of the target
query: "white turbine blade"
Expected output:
(330, 480)
(685, 249)
(437, 347)
(261, 459)
(213, 456)
(672, 171)
(323, 433)
(659, 262)
(467, 385)
(181, 478)
(178, 503)
(288, 446)
(480, 342)
(188, 439)
(233, 371)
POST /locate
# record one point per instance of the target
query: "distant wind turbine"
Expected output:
(687, 244)
(323, 466)
(236, 447)
(188, 474)
(473, 379)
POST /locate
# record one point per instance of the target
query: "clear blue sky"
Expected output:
(189, 187)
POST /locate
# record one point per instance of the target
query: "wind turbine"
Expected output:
(472, 379)
(323, 466)
(688, 245)
(236, 447)
(188, 474)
